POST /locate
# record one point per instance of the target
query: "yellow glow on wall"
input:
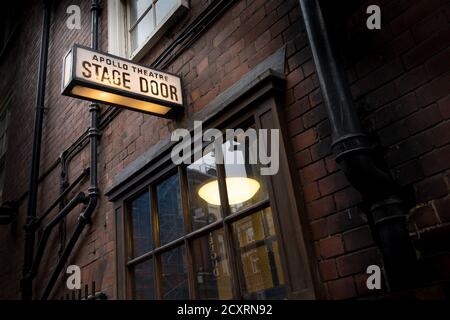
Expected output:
(239, 189)
(112, 98)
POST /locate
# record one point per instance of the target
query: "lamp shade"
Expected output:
(239, 190)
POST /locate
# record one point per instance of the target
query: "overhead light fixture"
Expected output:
(239, 190)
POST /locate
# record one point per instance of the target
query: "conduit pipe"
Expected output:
(26, 284)
(78, 199)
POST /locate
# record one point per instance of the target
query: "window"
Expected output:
(201, 240)
(136, 25)
(203, 233)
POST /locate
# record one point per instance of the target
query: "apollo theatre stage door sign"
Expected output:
(100, 77)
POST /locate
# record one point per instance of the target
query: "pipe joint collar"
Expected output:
(387, 210)
(349, 143)
(94, 132)
(94, 107)
(93, 192)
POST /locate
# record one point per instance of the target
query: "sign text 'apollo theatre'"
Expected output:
(104, 78)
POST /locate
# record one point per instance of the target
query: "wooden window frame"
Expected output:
(284, 198)
(119, 42)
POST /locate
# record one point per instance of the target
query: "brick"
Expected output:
(331, 247)
(358, 261)
(314, 116)
(430, 188)
(328, 270)
(298, 108)
(378, 78)
(441, 134)
(436, 161)
(324, 129)
(423, 119)
(345, 220)
(427, 49)
(311, 192)
(308, 68)
(410, 148)
(408, 173)
(343, 288)
(304, 88)
(299, 58)
(263, 40)
(202, 65)
(321, 149)
(295, 127)
(315, 97)
(444, 106)
(319, 229)
(433, 91)
(321, 207)
(439, 64)
(368, 64)
(395, 111)
(427, 27)
(302, 158)
(278, 27)
(402, 43)
(443, 208)
(332, 183)
(423, 216)
(294, 77)
(412, 79)
(357, 239)
(347, 198)
(304, 139)
(381, 96)
(313, 171)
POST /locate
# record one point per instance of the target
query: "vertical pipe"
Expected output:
(94, 108)
(27, 284)
(93, 191)
(354, 154)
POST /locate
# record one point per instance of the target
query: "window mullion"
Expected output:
(228, 234)
(139, 19)
(187, 230)
(156, 242)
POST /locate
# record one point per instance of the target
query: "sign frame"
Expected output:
(175, 108)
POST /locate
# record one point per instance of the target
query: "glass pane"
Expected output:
(170, 215)
(260, 264)
(142, 31)
(211, 266)
(199, 174)
(163, 7)
(174, 275)
(144, 283)
(245, 185)
(142, 227)
(137, 8)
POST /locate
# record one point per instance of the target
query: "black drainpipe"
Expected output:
(26, 284)
(354, 154)
(93, 192)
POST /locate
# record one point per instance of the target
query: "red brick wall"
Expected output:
(398, 78)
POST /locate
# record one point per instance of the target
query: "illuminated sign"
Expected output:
(100, 77)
